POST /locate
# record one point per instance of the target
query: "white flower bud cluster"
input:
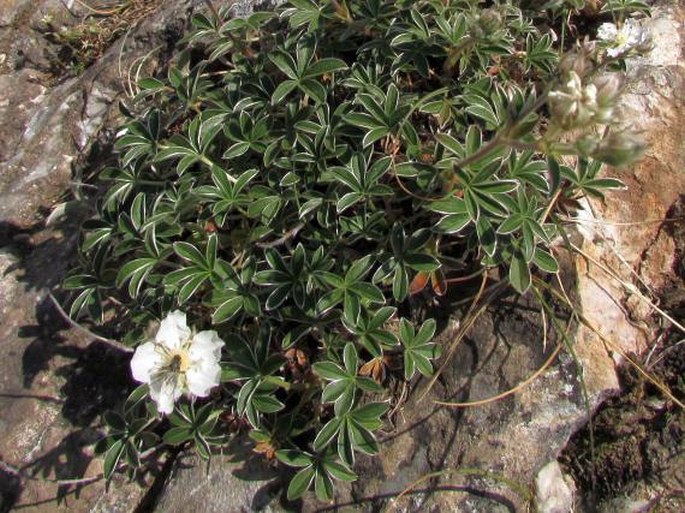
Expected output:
(575, 105)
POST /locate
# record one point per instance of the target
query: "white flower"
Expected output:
(178, 362)
(620, 41)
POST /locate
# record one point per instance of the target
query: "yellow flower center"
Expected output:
(177, 361)
(621, 39)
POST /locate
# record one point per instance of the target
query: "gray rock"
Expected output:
(553, 490)
(237, 483)
(60, 123)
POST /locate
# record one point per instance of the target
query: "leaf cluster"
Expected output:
(293, 176)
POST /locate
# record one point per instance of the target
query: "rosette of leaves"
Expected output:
(286, 180)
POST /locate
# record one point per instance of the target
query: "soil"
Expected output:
(634, 445)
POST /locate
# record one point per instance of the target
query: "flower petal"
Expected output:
(202, 377)
(206, 345)
(145, 361)
(173, 330)
(607, 32)
(165, 389)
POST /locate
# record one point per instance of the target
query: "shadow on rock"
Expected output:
(10, 490)
(85, 378)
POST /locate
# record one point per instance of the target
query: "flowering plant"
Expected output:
(309, 182)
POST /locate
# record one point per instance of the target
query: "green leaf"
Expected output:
(314, 89)
(421, 262)
(347, 201)
(545, 261)
(190, 287)
(189, 252)
(327, 433)
(374, 135)
(227, 309)
(136, 271)
(369, 415)
(236, 150)
(151, 84)
(368, 292)
(359, 269)
(284, 89)
(519, 273)
(339, 471)
(177, 435)
(277, 297)
(300, 483)
(451, 144)
(453, 223)
(267, 404)
(285, 63)
(266, 207)
(323, 486)
(329, 65)
(481, 108)
(329, 370)
(294, 458)
(350, 358)
(112, 458)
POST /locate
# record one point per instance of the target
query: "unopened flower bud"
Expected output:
(619, 148)
(579, 60)
(588, 47)
(608, 88)
(489, 21)
(574, 62)
(586, 145)
(573, 105)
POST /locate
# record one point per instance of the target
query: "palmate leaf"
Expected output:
(351, 290)
(457, 215)
(317, 469)
(408, 253)
(256, 398)
(353, 431)
(369, 328)
(418, 348)
(285, 279)
(135, 272)
(343, 382)
(235, 294)
(480, 107)
(304, 12)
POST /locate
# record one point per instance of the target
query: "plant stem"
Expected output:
(113, 343)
